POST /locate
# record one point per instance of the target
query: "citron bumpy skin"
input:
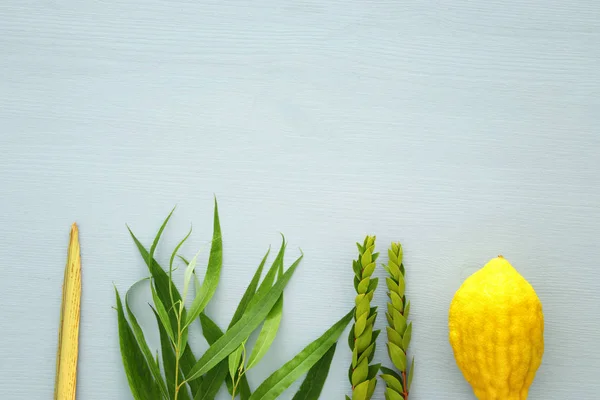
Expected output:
(496, 330)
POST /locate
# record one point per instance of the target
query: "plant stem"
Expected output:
(177, 355)
(233, 390)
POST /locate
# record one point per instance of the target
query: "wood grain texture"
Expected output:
(462, 129)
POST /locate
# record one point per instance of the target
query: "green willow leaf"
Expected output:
(141, 383)
(267, 282)
(244, 389)
(183, 342)
(250, 291)
(281, 379)
(169, 362)
(210, 329)
(158, 235)
(213, 272)
(169, 295)
(196, 284)
(141, 340)
(212, 382)
(217, 375)
(187, 277)
(214, 378)
(240, 331)
(162, 313)
(315, 379)
(267, 334)
(234, 361)
(173, 255)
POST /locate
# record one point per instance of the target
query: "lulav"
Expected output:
(363, 376)
(399, 330)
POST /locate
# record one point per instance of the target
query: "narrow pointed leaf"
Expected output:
(281, 379)
(187, 277)
(213, 272)
(267, 282)
(174, 254)
(162, 313)
(158, 235)
(212, 382)
(141, 383)
(313, 383)
(234, 361)
(250, 291)
(141, 340)
(196, 284)
(183, 341)
(244, 389)
(267, 334)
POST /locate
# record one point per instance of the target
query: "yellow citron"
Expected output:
(68, 333)
(496, 329)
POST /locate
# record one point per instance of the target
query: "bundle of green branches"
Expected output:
(177, 374)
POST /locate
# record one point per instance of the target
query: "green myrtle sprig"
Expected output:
(362, 336)
(399, 330)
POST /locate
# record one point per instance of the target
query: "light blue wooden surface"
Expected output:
(463, 129)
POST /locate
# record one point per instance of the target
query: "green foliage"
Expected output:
(399, 330)
(227, 360)
(362, 337)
